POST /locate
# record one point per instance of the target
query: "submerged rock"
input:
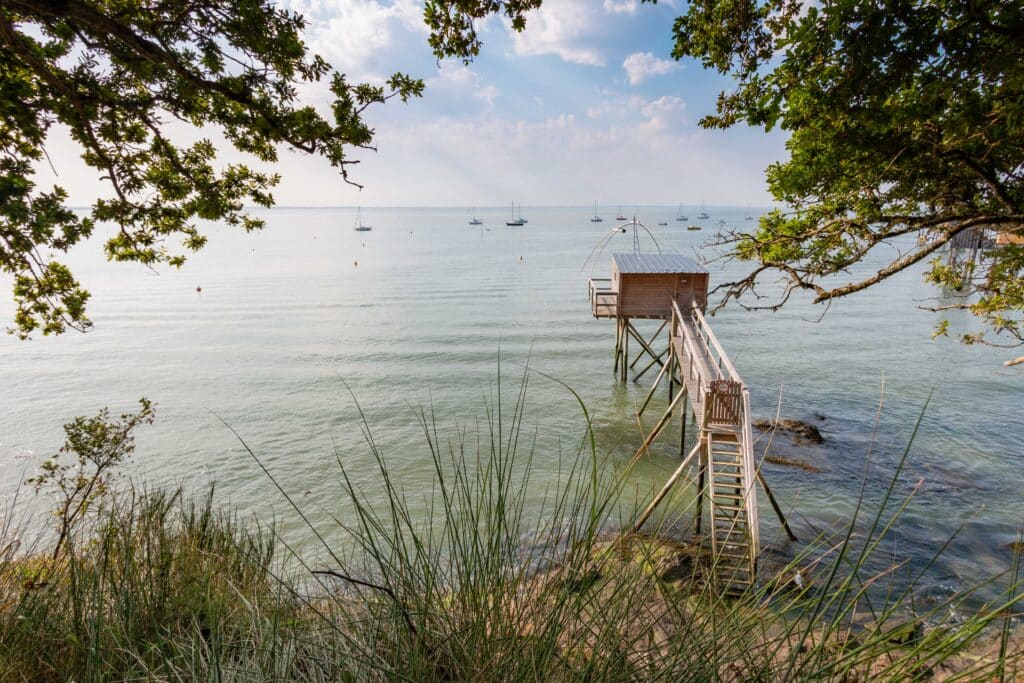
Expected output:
(802, 429)
(792, 462)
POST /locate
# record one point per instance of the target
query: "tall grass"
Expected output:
(159, 586)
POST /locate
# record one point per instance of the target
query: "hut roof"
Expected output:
(656, 263)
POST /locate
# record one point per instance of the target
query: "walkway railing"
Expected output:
(603, 299)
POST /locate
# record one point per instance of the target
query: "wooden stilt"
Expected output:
(650, 394)
(625, 348)
(775, 506)
(618, 344)
(664, 490)
(640, 340)
(651, 364)
(658, 427)
(702, 468)
(672, 361)
(648, 344)
(685, 416)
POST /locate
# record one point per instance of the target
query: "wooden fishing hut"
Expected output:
(674, 288)
(643, 286)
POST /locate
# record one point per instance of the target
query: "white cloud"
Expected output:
(567, 28)
(640, 66)
(488, 93)
(664, 112)
(565, 158)
(624, 7)
(457, 78)
(359, 37)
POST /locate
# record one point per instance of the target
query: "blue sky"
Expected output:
(585, 105)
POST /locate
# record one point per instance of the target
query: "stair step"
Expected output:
(731, 516)
(741, 559)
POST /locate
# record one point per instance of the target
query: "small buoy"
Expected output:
(199, 289)
(520, 258)
(355, 263)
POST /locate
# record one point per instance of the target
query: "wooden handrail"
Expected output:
(749, 472)
(735, 376)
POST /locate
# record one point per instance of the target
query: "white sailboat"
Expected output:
(513, 221)
(359, 227)
(703, 213)
(620, 217)
(474, 220)
(749, 216)
(596, 218)
(680, 216)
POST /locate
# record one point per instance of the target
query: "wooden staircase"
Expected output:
(725, 455)
(731, 546)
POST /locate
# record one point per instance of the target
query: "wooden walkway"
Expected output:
(726, 470)
(703, 382)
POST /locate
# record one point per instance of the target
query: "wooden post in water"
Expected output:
(701, 473)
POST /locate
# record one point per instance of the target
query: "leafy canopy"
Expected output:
(906, 123)
(117, 74)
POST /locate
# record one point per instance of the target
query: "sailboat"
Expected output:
(680, 217)
(596, 218)
(703, 213)
(359, 227)
(749, 216)
(513, 220)
(620, 217)
(474, 220)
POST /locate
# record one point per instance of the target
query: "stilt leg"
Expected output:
(651, 364)
(618, 344)
(671, 376)
(646, 346)
(701, 473)
(625, 348)
(775, 506)
(657, 428)
(664, 490)
(650, 394)
(682, 430)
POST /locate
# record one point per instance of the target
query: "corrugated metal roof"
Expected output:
(656, 263)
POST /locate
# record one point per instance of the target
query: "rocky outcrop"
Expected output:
(798, 428)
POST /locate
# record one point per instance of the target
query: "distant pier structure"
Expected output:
(703, 389)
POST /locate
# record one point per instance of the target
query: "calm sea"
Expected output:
(419, 312)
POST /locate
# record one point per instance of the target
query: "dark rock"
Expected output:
(792, 462)
(798, 428)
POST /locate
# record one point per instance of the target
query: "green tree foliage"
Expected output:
(117, 74)
(906, 125)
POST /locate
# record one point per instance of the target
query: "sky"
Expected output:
(585, 105)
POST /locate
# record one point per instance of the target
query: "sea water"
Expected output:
(279, 333)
